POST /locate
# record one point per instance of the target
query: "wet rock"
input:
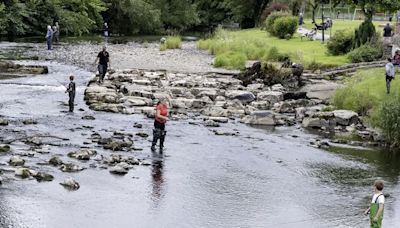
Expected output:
(3, 122)
(118, 145)
(43, 177)
(270, 96)
(137, 125)
(225, 133)
(29, 122)
(23, 172)
(315, 123)
(16, 161)
(4, 148)
(1, 180)
(70, 184)
(211, 123)
(70, 167)
(294, 95)
(345, 117)
(142, 134)
(55, 161)
(219, 119)
(243, 96)
(119, 169)
(88, 118)
(34, 141)
(260, 118)
(82, 154)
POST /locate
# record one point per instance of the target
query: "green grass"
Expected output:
(255, 44)
(172, 42)
(364, 92)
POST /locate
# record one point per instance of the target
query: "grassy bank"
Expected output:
(233, 48)
(171, 42)
(366, 94)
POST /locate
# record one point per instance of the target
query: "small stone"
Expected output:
(43, 177)
(4, 148)
(23, 173)
(29, 122)
(16, 161)
(142, 134)
(88, 118)
(70, 184)
(211, 123)
(82, 154)
(69, 167)
(137, 125)
(55, 161)
(3, 122)
(119, 170)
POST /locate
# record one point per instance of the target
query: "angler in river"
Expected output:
(71, 93)
(160, 120)
(103, 58)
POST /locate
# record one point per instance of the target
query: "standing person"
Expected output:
(377, 206)
(49, 37)
(106, 32)
(104, 63)
(390, 73)
(396, 58)
(57, 33)
(301, 21)
(71, 93)
(387, 33)
(161, 118)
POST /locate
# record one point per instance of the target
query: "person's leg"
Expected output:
(48, 44)
(100, 68)
(388, 84)
(156, 135)
(162, 137)
(70, 103)
(105, 68)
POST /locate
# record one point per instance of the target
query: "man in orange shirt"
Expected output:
(161, 118)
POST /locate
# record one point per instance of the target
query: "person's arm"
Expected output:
(109, 62)
(68, 88)
(367, 211)
(97, 59)
(158, 114)
(379, 213)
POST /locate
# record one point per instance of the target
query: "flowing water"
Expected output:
(260, 178)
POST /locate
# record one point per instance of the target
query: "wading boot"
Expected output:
(162, 138)
(156, 136)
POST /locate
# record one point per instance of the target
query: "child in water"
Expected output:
(377, 204)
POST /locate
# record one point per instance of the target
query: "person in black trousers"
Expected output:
(71, 93)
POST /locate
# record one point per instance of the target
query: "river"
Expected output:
(259, 178)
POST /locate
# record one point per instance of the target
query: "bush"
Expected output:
(340, 43)
(364, 34)
(388, 118)
(172, 42)
(269, 23)
(274, 55)
(365, 53)
(314, 66)
(231, 60)
(285, 27)
(274, 7)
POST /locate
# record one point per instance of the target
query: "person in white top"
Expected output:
(390, 73)
(377, 205)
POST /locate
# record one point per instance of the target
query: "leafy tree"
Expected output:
(247, 12)
(132, 16)
(177, 14)
(369, 7)
(211, 13)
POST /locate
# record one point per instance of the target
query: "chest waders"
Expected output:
(158, 134)
(374, 207)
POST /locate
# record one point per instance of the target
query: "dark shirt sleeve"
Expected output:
(98, 55)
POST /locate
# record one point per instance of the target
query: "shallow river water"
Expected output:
(260, 178)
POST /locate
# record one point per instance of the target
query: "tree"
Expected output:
(369, 7)
(247, 12)
(211, 13)
(314, 4)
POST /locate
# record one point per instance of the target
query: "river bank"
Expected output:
(200, 175)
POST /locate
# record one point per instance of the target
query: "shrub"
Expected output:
(365, 53)
(269, 23)
(172, 42)
(285, 27)
(315, 66)
(360, 100)
(388, 118)
(365, 32)
(231, 60)
(274, 55)
(340, 43)
(273, 7)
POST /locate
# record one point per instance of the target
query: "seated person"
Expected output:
(311, 34)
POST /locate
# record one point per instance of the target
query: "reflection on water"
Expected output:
(157, 178)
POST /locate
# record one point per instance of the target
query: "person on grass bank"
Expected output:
(377, 206)
(390, 73)
(160, 120)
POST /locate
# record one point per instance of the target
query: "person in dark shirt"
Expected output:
(387, 33)
(71, 93)
(103, 58)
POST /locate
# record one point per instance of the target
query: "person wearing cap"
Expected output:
(160, 120)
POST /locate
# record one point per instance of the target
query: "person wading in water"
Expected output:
(104, 63)
(161, 118)
(71, 93)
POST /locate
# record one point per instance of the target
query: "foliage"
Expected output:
(269, 23)
(285, 27)
(231, 60)
(369, 7)
(340, 43)
(132, 16)
(273, 7)
(274, 55)
(177, 15)
(248, 13)
(364, 34)
(211, 13)
(388, 119)
(365, 53)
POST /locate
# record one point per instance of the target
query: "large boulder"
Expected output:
(260, 118)
(241, 95)
(16, 161)
(345, 117)
(4, 148)
(271, 96)
(315, 123)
